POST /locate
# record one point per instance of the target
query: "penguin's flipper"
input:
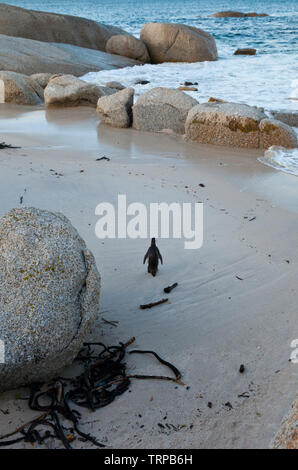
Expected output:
(146, 256)
(159, 255)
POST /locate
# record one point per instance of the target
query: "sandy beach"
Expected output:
(236, 302)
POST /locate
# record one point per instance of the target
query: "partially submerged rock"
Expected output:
(67, 90)
(274, 132)
(116, 110)
(236, 14)
(288, 117)
(228, 14)
(53, 27)
(187, 88)
(215, 100)
(49, 295)
(228, 124)
(245, 51)
(19, 89)
(128, 46)
(162, 109)
(168, 42)
(28, 56)
(253, 14)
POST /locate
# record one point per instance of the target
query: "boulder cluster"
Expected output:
(33, 41)
(215, 122)
(157, 110)
(70, 46)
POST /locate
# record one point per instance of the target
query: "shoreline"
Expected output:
(213, 322)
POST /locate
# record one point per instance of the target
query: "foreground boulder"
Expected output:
(53, 27)
(168, 42)
(49, 295)
(67, 90)
(162, 109)
(274, 132)
(231, 124)
(116, 110)
(19, 89)
(30, 57)
(128, 46)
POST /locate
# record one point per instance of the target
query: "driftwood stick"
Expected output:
(155, 377)
(153, 304)
(168, 289)
(113, 323)
(40, 417)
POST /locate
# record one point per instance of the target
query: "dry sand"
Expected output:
(214, 322)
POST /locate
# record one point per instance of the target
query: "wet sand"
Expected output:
(214, 321)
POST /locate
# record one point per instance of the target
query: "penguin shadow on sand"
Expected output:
(153, 255)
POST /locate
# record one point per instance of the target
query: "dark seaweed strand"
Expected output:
(177, 373)
(103, 379)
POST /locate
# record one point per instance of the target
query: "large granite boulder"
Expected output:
(116, 110)
(19, 89)
(274, 132)
(52, 27)
(49, 295)
(162, 109)
(128, 46)
(67, 90)
(231, 124)
(29, 56)
(168, 42)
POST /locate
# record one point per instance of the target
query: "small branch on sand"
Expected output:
(21, 428)
(168, 289)
(102, 158)
(153, 304)
(113, 323)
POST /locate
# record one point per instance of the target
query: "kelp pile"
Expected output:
(103, 378)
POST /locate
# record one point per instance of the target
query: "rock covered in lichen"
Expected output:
(230, 124)
(49, 294)
(274, 132)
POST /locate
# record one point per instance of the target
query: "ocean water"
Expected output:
(269, 79)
